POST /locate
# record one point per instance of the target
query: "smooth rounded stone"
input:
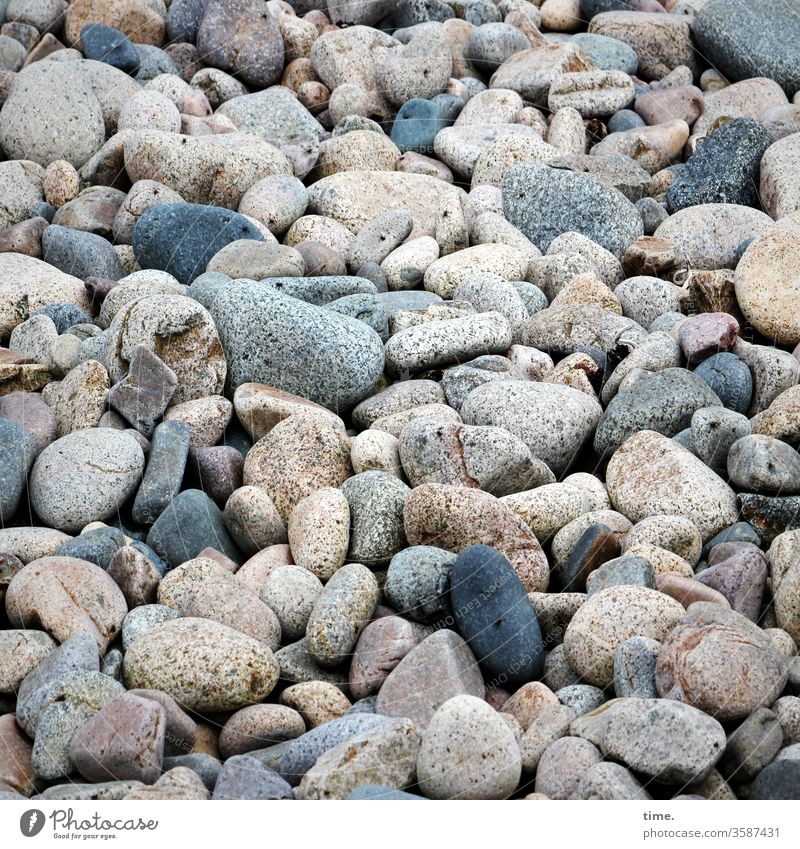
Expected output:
(593, 93)
(143, 195)
(98, 546)
(256, 260)
(18, 450)
(608, 780)
(628, 570)
(202, 664)
(711, 235)
(298, 666)
(398, 397)
(362, 150)
(651, 475)
(714, 431)
(547, 508)
(16, 769)
(107, 44)
(439, 668)
(28, 410)
(299, 455)
(554, 421)
(774, 371)
(142, 396)
(777, 781)
(252, 520)
(554, 612)
(418, 582)
(750, 39)
(80, 254)
(291, 592)
(149, 110)
(66, 596)
(376, 500)
(162, 479)
(51, 115)
(245, 777)
(734, 668)
(569, 536)
(375, 450)
(778, 184)
(644, 299)
(381, 646)
(581, 698)
(761, 463)
(557, 671)
(444, 275)
(787, 709)
(416, 124)
(562, 765)
(454, 517)
(199, 231)
(340, 614)
(317, 702)
(609, 618)
(103, 465)
(673, 533)
(729, 378)
(495, 616)
(258, 726)
(364, 307)
(634, 668)
(191, 509)
(671, 742)
(492, 43)
(319, 531)
(752, 746)
(468, 752)
(21, 651)
(405, 266)
(724, 169)
(769, 515)
(276, 201)
(528, 702)
(606, 53)
(605, 265)
(701, 336)
(487, 292)
(337, 373)
(320, 291)
(550, 724)
(653, 214)
(527, 192)
(459, 381)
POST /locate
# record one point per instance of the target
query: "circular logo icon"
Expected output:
(31, 822)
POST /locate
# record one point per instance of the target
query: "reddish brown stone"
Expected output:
(24, 238)
(687, 590)
(660, 105)
(741, 578)
(180, 728)
(16, 769)
(700, 336)
(135, 575)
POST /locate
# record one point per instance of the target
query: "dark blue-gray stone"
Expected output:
(300, 754)
(271, 338)
(739, 532)
(653, 214)
(366, 705)
(43, 209)
(181, 238)
(635, 668)
(607, 54)
(378, 792)
(664, 402)
(97, 546)
(79, 253)
(418, 582)
(206, 766)
(779, 780)
(107, 44)
(190, 523)
(366, 308)
(183, 18)
(752, 38)
(628, 570)
(416, 125)
(770, 515)
(730, 380)
(65, 315)
(146, 551)
(490, 45)
(545, 202)
(625, 119)
(166, 464)
(246, 777)
(495, 616)
(153, 61)
(590, 8)
(17, 453)
(322, 290)
(723, 169)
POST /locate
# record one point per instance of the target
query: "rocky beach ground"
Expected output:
(399, 399)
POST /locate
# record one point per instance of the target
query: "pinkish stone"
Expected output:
(687, 590)
(381, 646)
(741, 579)
(661, 105)
(702, 335)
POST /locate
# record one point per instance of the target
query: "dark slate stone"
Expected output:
(663, 402)
(779, 780)
(739, 532)
(146, 551)
(628, 570)
(153, 61)
(770, 515)
(43, 209)
(181, 238)
(635, 668)
(653, 214)
(495, 616)
(597, 545)
(183, 18)
(142, 396)
(416, 125)
(79, 253)
(625, 119)
(331, 359)
(246, 777)
(97, 546)
(380, 793)
(366, 308)
(418, 582)
(107, 44)
(206, 766)
(299, 755)
(17, 453)
(729, 378)
(545, 202)
(166, 464)
(65, 316)
(724, 169)
(751, 38)
(190, 523)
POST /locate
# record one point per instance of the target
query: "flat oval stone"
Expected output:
(381, 646)
(203, 665)
(259, 726)
(495, 616)
(20, 652)
(761, 463)
(17, 452)
(376, 500)
(418, 582)
(730, 380)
